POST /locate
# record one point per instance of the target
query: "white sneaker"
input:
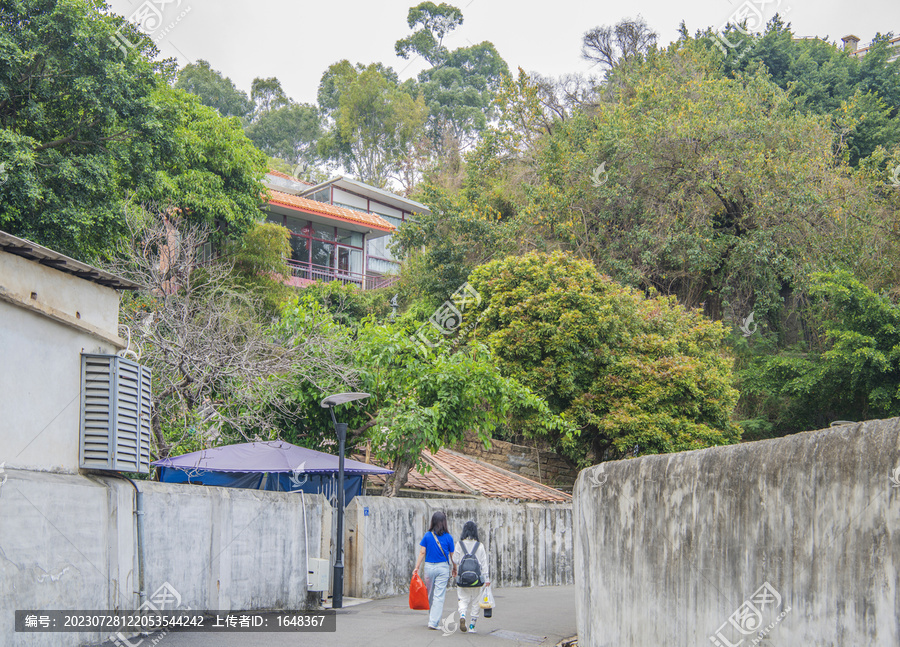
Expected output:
(472, 629)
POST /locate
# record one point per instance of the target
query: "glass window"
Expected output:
(391, 219)
(298, 226)
(349, 260)
(380, 266)
(379, 247)
(322, 195)
(353, 238)
(300, 249)
(322, 254)
(356, 261)
(322, 231)
(350, 206)
(275, 218)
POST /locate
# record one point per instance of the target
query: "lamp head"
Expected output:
(342, 398)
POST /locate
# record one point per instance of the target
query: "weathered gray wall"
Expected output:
(67, 542)
(668, 547)
(530, 544)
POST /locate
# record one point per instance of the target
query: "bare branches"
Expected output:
(626, 40)
(216, 365)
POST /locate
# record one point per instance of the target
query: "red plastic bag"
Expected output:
(418, 594)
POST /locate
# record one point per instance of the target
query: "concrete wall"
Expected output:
(47, 319)
(68, 542)
(678, 549)
(530, 544)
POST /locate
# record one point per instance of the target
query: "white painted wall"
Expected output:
(47, 319)
(68, 542)
(349, 199)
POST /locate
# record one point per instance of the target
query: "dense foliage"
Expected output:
(88, 129)
(633, 374)
(630, 235)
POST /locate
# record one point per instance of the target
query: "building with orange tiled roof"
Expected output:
(340, 229)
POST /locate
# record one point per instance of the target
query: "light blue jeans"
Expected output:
(436, 578)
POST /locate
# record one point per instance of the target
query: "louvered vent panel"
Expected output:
(115, 414)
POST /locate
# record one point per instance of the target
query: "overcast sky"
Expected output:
(297, 41)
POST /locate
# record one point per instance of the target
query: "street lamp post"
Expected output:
(340, 428)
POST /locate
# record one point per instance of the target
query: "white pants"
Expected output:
(469, 597)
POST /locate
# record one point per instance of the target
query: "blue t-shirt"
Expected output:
(432, 552)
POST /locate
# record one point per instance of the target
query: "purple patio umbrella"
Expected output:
(271, 456)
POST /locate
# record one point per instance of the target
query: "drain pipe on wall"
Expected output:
(139, 523)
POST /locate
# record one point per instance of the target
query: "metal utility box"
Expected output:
(317, 578)
(115, 414)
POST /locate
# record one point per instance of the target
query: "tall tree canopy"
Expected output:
(460, 87)
(373, 121)
(709, 188)
(86, 128)
(862, 95)
(290, 133)
(214, 89)
(434, 22)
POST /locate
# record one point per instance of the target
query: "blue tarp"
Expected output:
(276, 466)
(310, 483)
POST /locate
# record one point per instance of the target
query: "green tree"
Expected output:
(435, 22)
(418, 401)
(862, 95)
(289, 133)
(267, 94)
(441, 248)
(197, 162)
(87, 129)
(851, 372)
(460, 87)
(712, 189)
(66, 115)
(633, 374)
(427, 403)
(214, 89)
(373, 123)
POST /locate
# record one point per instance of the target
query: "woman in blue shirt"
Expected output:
(437, 552)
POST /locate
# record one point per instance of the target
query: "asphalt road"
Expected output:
(523, 616)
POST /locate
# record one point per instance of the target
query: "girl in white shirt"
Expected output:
(469, 596)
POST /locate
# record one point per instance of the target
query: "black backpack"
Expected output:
(469, 569)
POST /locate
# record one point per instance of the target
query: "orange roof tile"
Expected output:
(329, 210)
(488, 480)
(496, 482)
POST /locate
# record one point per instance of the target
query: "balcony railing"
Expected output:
(312, 272)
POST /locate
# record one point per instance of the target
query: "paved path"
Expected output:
(540, 615)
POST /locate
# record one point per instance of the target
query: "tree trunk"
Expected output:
(398, 479)
(163, 448)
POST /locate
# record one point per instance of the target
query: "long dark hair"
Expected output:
(470, 531)
(438, 523)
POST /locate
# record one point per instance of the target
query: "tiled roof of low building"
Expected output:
(323, 209)
(455, 473)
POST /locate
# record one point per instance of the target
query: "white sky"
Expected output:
(297, 41)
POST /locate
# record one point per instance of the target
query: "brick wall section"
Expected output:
(553, 469)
